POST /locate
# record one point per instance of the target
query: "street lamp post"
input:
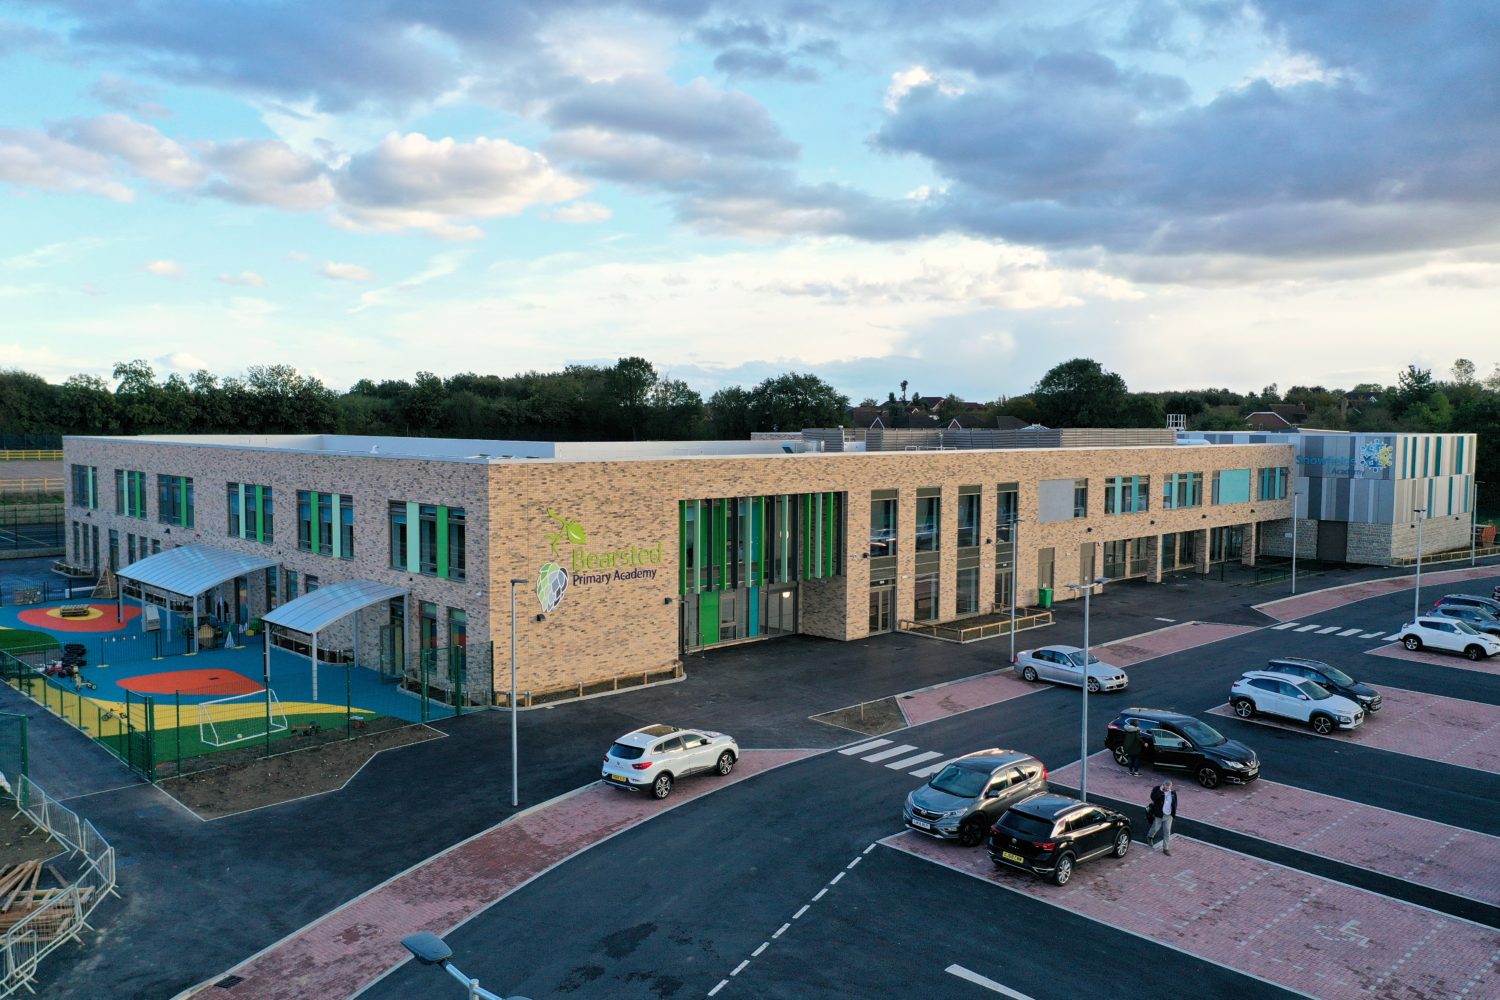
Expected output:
(429, 949)
(515, 767)
(1083, 723)
(1473, 517)
(1416, 594)
(1295, 495)
(1015, 576)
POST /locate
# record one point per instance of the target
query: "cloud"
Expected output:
(125, 94)
(31, 158)
(52, 254)
(440, 266)
(413, 182)
(904, 81)
(247, 279)
(743, 61)
(346, 272)
(182, 361)
(166, 269)
(149, 153)
(581, 212)
(267, 172)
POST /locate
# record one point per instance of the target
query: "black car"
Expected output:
(1482, 619)
(1490, 604)
(1049, 835)
(1329, 677)
(1177, 742)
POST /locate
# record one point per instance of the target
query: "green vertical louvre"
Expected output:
(413, 535)
(1437, 463)
(260, 514)
(314, 508)
(336, 525)
(442, 542)
(182, 501)
(785, 528)
(140, 494)
(700, 553)
(830, 535)
(756, 546)
(93, 487)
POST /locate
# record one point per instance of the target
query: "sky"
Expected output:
(1195, 193)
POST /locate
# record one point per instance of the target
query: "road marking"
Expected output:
(722, 983)
(1166, 619)
(851, 751)
(1285, 625)
(867, 850)
(902, 765)
(763, 946)
(932, 769)
(798, 914)
(780, 931)
(1348, 631)
(989, 984)
(1308, 628)
(1393, 638)
(835, 879)
(739, 968)
(1370, 635)
(820, 894)
(888, 754)
(1331, 628)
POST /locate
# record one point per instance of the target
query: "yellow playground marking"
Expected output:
(92, 614)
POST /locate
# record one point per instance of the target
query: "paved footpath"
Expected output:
(1277, 924)
(1443, 857)
(1396, 651)
(346, 950)
(1448, 730)
(1305, 605)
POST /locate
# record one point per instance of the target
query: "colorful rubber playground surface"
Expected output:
(214, 699)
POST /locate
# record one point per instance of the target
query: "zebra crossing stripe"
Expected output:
(932, 769)
(1393, 638)
(1370, 635)
(902, 765)
(888, 754)
(851, 751)
(1285, 625)
(1348, 631)
(1308, 628)
(1331, 628)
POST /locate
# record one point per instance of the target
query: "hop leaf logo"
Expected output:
(551, 585)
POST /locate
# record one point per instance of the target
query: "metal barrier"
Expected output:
(1027, 618)
(31, 455)
(31, 486)
(64, 916)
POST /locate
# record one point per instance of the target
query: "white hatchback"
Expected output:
(653, 757)
(1266, 693)
(1450, 634)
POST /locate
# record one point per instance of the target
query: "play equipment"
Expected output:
(226, 721)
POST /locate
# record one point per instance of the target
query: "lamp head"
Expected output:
(427, 948)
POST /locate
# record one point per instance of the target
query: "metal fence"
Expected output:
(28, 526)
(14, 758)
(64, 916)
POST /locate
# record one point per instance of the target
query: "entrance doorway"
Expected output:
(882, 608)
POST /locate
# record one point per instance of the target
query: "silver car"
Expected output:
(1064, 665)
(653, 757)
(969, 794)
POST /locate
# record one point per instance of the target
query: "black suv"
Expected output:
(1049, 835)
(1332, 678)
(1178, 742)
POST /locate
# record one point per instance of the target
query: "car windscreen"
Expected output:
(1026, 826)
(1201, 733)
(960, 781)
(1337, 676)
(1316, 692)
(625, 751)
(1077, 658)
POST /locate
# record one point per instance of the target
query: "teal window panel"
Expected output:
(413, 537)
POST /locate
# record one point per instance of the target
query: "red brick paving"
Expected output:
(1289, 609)
(350, 947)
(1443, 857)
(1162, 642)
(1276, 924)
(1396, 651)
(1449, 730)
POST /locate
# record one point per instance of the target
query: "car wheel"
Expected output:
(726, 763)
(1474, 652)
(971, 834)
(1322, 724)
(1122, 843)
(1121, 757)
(1064, 870)
(1093, 685)
(1412, 643)
(662, 786)
(1029, 673)
(1244, 707)
(1208, 776)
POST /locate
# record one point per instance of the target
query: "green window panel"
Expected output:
(442, 542)
(830, 522)
(315, 502)
(708, 617)
(335, 522)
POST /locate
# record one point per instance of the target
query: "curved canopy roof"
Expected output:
(311, 613)
(190, 570)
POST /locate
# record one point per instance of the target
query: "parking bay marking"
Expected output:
(861, 748)
(1285, 625)
(1348, 631)
(1331, 628)
(888, 754)
(989, 984)
(1308, 628)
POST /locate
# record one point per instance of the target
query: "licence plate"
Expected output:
(921, 824)
(620, 778)
(1012, 857)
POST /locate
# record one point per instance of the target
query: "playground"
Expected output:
(152, 700)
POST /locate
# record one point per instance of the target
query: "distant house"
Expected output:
(1356, 401)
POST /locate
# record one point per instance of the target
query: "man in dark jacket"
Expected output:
(1132, 744)
(1162, 812)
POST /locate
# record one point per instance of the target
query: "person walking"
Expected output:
(1132, 745)
(1162, 812)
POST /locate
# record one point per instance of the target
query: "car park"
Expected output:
(1050, 835)
(1261, 692)
(1449, 634)
(1064, 665)
(1327, 676)
(1178, 742)
(1490, 604)
(963, 800)
(1481, 620)
(653, 758)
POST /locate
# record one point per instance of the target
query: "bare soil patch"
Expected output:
(873, 718)
(21, 841)
(263, 781)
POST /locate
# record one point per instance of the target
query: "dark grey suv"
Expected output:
(1329, 677)
(966, 797)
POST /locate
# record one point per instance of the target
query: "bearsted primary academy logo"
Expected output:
(585, 566)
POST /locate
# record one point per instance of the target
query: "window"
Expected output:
(1182, 490)
(325, 523)
(1127, 494)
(1231, 486)
(968, 591)
(291, 586)
(929, 516)
(1273, 483)
(968, 516)
(882, 525)
(250, 511)
(86, 486)
(310, 584)
(130, 493)
(926, 594)
(1080, 498)
(429, 539)
(1007, 510)
(174, 500)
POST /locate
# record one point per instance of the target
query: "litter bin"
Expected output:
(1044, 596)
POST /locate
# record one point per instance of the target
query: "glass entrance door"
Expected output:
(882, 604)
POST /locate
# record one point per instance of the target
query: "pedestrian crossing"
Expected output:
(881, 751)
(1341, 631)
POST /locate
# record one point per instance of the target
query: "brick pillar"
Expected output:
(1200, 552)
(1153, 559)
(1251, 543)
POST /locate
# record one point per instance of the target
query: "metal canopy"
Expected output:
(190, 570)
(311, 613)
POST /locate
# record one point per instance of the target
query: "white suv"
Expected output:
(1450, 634)
(1294, 698)
(655, 756)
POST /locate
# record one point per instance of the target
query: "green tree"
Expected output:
(796, 400)
(675, 411)
(1463, 371)
(421, 406)
(950, 408)
(85, 406)
(1080, 393)
(27, 403)
(138, 398)
(729, 413)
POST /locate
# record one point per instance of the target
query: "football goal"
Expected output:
(226, 721)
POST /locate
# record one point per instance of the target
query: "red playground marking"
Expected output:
(101, 618)
(217, 682)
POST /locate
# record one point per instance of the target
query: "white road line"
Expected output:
(1166, 619)
(888, 754)
(1308, 628)
(780, 931)
(902, 765)
(867, 850)
(763, 946)
(1348, 631)
(1393, 638)
(835, 879)
(855, 861)
(820, 894)
(798, 914)
(739, 968)
(989, 984)
(1285, 625)
(1370, 635)
(932, 769)
(851, 751)
(1331, 628)
(722, 983)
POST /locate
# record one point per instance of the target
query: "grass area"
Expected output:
(25, 640)
(184, 742)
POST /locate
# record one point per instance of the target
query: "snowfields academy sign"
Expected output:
(582, 565)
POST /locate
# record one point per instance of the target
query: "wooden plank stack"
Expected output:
(20, 897)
